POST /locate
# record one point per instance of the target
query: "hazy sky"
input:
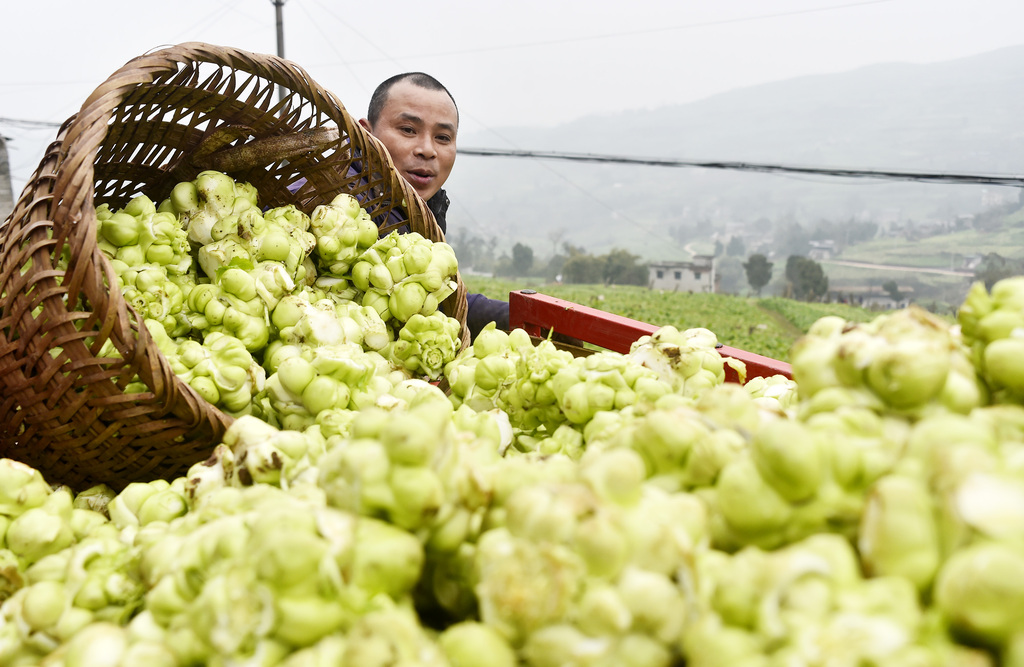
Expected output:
(527, 62)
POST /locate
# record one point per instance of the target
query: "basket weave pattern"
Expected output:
(159, 120)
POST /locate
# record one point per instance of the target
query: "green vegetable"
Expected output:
(686, 360)
(326, 322)
(980, 590)
(343, 231)
(470, 643)
(324, 378)
(898, 536)
(21, 488)
(231, 305)
(43, 530)
(202, 202)
(402, 275)
(906, 362)
(426, 344)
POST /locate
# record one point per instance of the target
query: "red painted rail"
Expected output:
(537, 313)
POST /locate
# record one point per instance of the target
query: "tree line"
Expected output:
(568, 264)
(805, 278)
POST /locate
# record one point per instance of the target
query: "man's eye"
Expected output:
(407, 130)
(444, 139)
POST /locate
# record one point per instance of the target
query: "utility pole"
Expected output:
(279, 10)
(6, 189)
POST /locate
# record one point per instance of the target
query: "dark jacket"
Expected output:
(481, 309)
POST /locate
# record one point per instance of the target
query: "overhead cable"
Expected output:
(1008, 180)
(18, 122)
(889, 174)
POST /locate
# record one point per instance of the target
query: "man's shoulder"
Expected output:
(438, 205)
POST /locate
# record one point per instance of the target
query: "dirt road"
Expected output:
(890, 267)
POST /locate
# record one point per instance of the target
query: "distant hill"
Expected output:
(957, 116)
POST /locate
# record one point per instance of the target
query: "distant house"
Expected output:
(972, 262)
(998, 197)
(822, 250)
(872, 297)
(695, 276)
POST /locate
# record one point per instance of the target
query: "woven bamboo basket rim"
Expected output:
(160, 119)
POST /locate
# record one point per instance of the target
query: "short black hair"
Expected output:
(421, 79)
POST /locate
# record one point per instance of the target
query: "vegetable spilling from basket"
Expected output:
(549, 510)
(275, 312)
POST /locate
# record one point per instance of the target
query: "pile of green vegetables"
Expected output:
(547, 510)
(278, 313)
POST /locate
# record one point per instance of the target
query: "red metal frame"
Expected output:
(538, 312)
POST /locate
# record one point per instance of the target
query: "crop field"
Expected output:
(766, 326)
(1007, 242)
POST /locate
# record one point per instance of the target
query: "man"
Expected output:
(416, 119)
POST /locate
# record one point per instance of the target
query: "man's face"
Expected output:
(418, 127)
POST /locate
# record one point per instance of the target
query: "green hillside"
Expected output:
(766, 326)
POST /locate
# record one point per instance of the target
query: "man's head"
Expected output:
(416, 119)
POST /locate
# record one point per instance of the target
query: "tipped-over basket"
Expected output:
(159, 120)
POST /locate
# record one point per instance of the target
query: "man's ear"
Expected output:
(366, 125)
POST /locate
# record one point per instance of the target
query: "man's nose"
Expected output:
(425, 147)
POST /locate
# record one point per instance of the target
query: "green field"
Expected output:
(766, 326)
(947, 251)
(938, 251)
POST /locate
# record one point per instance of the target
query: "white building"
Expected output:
(871, 296)
(695, 276)
(822, 250)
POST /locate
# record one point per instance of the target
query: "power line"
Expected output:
(29, 124)
(620, 34)
(888, 174)
(332, 43)
(1016, 181)
(207, 20)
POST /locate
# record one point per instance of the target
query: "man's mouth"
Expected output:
(418, 177)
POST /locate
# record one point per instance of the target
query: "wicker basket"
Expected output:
(159, 120)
